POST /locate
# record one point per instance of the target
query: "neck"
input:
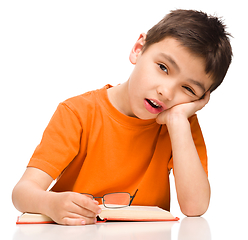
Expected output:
(119, 98)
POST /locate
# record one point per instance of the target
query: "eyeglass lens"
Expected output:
(116, 200)
(112, 200)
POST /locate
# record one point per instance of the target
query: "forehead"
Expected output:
(181, 59)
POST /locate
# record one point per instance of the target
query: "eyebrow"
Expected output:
(200, 85)
(172, 61)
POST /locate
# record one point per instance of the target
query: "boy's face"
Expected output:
(165, 75)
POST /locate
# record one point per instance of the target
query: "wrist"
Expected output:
(177, 121)
(179, 129)
(47, 203)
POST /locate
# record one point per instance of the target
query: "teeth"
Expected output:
(157, 105)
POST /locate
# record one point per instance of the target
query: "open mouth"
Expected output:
(153, 104)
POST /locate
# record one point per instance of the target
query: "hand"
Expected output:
(70, 208)
(185, 110)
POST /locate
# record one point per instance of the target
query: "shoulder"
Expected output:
(84, 102)
(82, 99)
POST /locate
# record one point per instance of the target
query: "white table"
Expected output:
(186, 229)
(112, 230)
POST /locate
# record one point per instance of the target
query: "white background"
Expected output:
(53, 50)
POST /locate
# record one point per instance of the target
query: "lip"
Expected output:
(153, 110)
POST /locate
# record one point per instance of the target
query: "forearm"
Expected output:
(192, 185)
(28, 196)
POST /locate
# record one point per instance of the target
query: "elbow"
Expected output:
(195, 207)
(194, 210)
(193, 213)
(15, 197)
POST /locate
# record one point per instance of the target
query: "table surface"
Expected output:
(186, 229)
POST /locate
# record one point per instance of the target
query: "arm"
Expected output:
(192, 185)
(69, 208)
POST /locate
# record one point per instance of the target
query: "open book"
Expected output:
(136, 213)
(131, 213)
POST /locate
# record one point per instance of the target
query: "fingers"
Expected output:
(86, 205)
(206, 97)
(185, 110)
(82, 211)
(74, 209)
(75, 219)
(202, 102)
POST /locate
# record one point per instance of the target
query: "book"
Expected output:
(136, 213)
(131, 213)
(33, 218)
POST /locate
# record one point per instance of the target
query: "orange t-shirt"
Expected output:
(90, 147)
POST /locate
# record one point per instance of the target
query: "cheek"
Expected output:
(139, 84)
(144, 73)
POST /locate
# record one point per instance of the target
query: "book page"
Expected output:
(135, 213)
(133, 208)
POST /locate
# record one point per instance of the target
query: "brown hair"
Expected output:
(203, 35)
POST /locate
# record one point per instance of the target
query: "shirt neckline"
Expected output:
(118, 116)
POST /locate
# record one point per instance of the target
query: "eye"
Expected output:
(163, 68)
(189, 90)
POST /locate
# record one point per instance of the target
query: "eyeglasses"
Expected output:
(114, 200)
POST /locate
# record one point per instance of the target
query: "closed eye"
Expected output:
(163, 68)
(189, 90)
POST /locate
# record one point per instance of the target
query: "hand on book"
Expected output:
(70, 208)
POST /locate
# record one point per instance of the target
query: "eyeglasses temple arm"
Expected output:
(133, 196)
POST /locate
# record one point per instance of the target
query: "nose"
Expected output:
(166, 91)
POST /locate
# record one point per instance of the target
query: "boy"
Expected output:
(128, 137)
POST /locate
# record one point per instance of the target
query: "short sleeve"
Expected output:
(60, 142)
(199, 144)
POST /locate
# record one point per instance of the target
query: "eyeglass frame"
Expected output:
(130, 202)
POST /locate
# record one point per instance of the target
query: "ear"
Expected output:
(137, 48)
